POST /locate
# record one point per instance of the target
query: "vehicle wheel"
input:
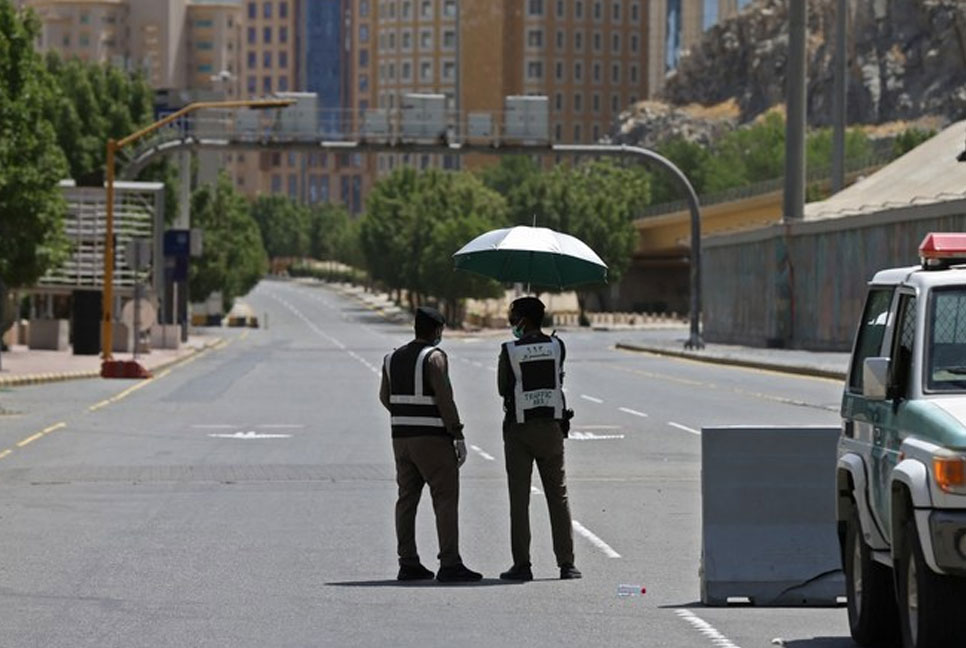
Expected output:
(929, 603)
(869, 590)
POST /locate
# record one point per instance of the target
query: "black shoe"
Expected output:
(518, 573)
(457, 574)
(413, 572)
(569, 572)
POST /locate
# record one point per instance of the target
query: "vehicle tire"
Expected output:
(873, 616)
(930, 604)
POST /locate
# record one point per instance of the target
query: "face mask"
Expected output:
(518, 332)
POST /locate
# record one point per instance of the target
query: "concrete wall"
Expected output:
(803, 285)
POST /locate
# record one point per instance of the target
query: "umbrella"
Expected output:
(533, 255)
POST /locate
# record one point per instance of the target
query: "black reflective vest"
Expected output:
(412, 401)
(537, 365)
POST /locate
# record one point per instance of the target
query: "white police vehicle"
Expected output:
(901, 472)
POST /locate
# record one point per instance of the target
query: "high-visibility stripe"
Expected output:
(388, 364)
(417, 421)
(418, 385)
(401, 399)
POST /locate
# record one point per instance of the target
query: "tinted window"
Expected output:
(946, 358)
(903, 345)
(872, 328)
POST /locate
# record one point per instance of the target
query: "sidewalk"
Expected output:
(23, 366)
(822, 364)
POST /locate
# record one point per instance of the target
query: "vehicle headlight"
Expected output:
(950, 473)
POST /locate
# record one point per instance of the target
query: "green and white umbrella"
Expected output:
(532, 255)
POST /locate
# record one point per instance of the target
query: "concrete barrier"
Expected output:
(49, 334)
(768, 516)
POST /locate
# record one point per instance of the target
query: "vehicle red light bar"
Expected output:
(943, 245)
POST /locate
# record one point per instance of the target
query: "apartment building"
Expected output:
(90, 31)
(214, 31)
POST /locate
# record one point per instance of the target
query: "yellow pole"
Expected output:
(107, 306)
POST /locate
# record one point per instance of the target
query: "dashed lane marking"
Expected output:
(4, 453)
(34, 437)
(628, 410)
(706, 629)
(486, 455)
(592, 399)
(684, 427)
(594, 540)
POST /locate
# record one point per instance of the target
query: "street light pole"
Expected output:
(107, 324)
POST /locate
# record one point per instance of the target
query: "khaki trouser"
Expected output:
(540, 441)
(427, 460)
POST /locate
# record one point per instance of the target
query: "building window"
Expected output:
(595, 103)
(363, 58)
(449, 70)
(559, 70)
(598, 11)
(535, 7)
(596, 132)
(252, 37)
(276, 159)
(392, 41)
(633, 73)
(406, 41)
(578, 102)
(283, 34)
(425, 40)
(576, 133)
(406, 11)
(85, 19)
(276, 183)
(579, 41)
(283, 9)
(66, 40)
(558, 102)
(635, 12)
(267, 10)
(206, 67)
(535, 38)
(363, 8)
(267, 60)
(283, 59)
(597, 41)
(204, 23)
(283, 83)
(406, 71)
(535, 70)
(84, 40)
(560, 9)
(615, 103)
(252, 11)
(558, 132)
(293, 186)
(392, 71)
(364, 34)
(324, 188)
(425, 70)
(449, 39)
(252, 84)
(615, 12)
(449, 8)
(426, 9)
(579, 10)
(252, 60)
(615, 73)
(267, 35)
(267, 85)
(578, 71)
(363, 83)
(595, 75)
(615, 43)
(635, 43)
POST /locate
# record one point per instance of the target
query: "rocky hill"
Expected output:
(907, 59)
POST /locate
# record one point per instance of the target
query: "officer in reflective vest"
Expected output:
(428, 445)
(530, 380)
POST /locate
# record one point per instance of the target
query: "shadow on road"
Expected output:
(486, 582)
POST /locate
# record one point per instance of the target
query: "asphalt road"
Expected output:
(245, 498)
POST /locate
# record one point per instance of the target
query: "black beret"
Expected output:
(528, 307)
(430, 315)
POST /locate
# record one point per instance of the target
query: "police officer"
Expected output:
(427, 441)
(530, 380)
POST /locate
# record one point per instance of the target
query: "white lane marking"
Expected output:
(251, 434)
(215, 426)
(684, 427)
(592, 399)
(321, 333)
(280, 426)
(628, 410)
(706, 629)
(594, 540)
(478, 450)
(590, 436)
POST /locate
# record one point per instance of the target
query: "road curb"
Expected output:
(52, 377)
(800, 370)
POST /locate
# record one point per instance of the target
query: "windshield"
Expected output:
(946, 359)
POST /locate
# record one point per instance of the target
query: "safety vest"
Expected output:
(536, 364)
(412, 402)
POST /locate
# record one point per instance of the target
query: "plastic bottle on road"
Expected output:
(625, 591)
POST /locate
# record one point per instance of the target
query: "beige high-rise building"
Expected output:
(85, 29)
(214, 47)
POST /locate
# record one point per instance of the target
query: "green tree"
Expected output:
(31, 163)
(234, 258)
(95, 102)
(691, 158)
(910, 139)
(383, 229)
(285, 226)
(334, 235)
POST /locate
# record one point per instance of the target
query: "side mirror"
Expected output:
(875, 378)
